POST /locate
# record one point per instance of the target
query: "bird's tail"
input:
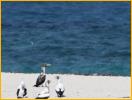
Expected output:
(35, 85)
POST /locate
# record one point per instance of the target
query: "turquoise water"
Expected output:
(75, 37)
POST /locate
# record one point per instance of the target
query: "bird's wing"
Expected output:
(18, 92)
(40, 79)
(25, 92)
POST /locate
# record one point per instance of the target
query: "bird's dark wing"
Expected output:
(40, 79)
(18, 91)
(25, 92)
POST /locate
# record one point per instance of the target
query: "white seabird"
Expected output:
(45, 93)
(21, 91)
(59, 87)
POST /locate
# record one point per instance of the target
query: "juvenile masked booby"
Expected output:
(42, 77)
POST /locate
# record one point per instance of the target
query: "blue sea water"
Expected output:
(75, 37)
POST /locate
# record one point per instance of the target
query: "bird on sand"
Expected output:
(21, 91)
(59, 87)
(42, 77)
(46, 91)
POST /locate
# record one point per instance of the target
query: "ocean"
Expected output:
(87, 38)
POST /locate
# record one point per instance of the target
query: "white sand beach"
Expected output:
(76, 86)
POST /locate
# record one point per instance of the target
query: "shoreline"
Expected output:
(95, 74)
(77, 86)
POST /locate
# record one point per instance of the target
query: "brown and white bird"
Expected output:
(42, 77)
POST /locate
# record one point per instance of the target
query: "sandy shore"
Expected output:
(77, 86)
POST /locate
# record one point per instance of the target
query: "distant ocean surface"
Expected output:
(90, 38)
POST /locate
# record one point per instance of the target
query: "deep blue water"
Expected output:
(75, 37)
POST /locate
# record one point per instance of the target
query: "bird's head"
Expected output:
(57, 77)
(48, 81)
(22, 84)
(45, 65)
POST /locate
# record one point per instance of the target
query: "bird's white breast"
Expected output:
(59, 87)
(21, 93)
